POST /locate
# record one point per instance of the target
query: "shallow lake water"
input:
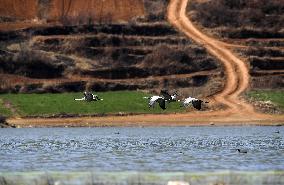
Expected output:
(142, 149)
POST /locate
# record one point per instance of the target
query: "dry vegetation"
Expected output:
(144, 54)
(240, 18)
(155, 10)
(257, 24)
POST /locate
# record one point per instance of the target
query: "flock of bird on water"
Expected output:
(162, 99)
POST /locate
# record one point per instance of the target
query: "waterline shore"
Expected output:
(155, 178)
(189, 119)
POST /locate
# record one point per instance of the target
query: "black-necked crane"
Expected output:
(156, 99)
(88, 97)
(162, 99)
(196, 103)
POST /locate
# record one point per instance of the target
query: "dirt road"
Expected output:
(236, 70)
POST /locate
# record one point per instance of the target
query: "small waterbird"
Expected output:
(89, 97)
(244, 151)
(196, 103)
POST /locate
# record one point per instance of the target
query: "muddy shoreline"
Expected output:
(205, 118)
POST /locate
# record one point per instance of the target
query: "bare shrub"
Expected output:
(263, 52)
(2, 120)
(267, 82)
(263, 63)
(165, 61)
(155, 10)
(257, 13)
(43, 9)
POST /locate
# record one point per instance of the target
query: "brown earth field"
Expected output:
(70, 11)
(164, 45)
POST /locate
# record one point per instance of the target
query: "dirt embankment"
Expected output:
(71, 11)
(189, 119)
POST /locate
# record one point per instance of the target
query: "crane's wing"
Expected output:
(96, 97)
(162, 103)
(197, 104)
(166, 95)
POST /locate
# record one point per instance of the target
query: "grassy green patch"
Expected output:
(114, 102)
(277, 97)
(3, 110)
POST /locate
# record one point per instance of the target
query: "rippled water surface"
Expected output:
(142, 149)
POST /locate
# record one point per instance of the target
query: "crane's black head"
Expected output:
(166, 95)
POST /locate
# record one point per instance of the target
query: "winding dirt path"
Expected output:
(236, 70)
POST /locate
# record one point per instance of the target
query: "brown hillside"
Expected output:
(72, 11)
(143, 54)
(18, 9)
